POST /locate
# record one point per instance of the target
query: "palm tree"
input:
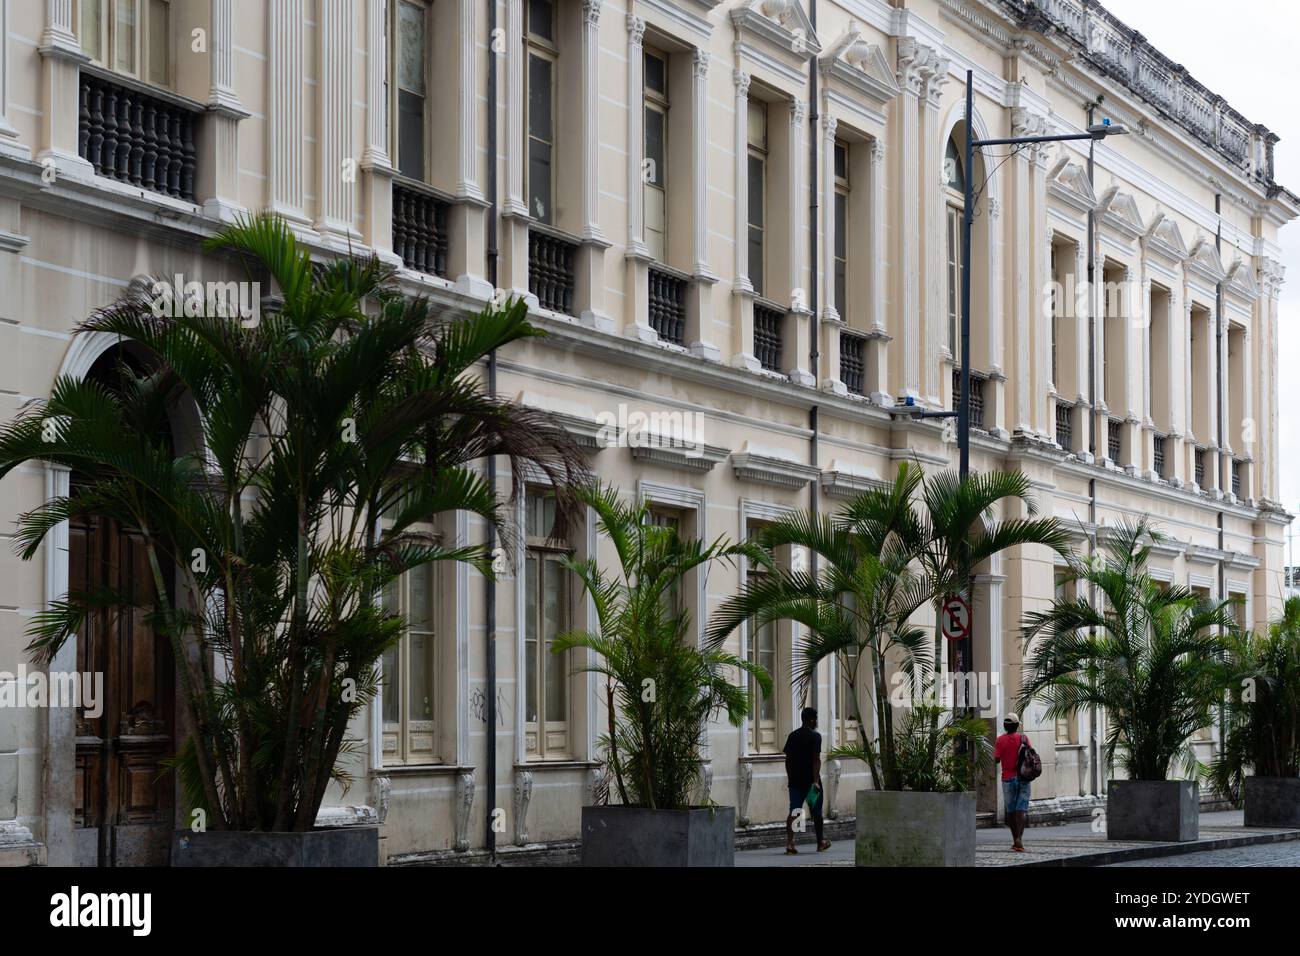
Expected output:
(1149, 656)
(661, 689)
(344, 418)
(887, 554)
(1262, 674)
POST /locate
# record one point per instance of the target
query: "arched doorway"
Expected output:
(123, 808)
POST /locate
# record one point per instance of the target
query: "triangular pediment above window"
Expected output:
(1119, 211)
(767, 29)
(1204, 259)
(1166, 238)
(1241, 281)
(860, 65)
(1069, 183)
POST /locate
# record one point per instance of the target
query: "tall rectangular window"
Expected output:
(542, 54)
(664, 518)
(954, 281)
(840, 253)
(159, 42)
(757, 193)
(1056, 319)
(1066, 724)
(409, 670)
(124, 38)
(546, 616)
(654, 169)
(128, 36)
(411, 68)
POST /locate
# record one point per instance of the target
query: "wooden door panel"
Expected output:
(122, 789)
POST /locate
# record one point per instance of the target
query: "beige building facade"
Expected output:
(738, 222)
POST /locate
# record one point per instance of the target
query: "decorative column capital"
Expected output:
(935, 78)
(700, 63)
(635, 30)
(798, 112)
(994, 207)
(829, 127)
(741, 80)
(877, 152)
(591, 12)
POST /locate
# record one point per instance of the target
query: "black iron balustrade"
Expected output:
(1065, 425)
(1236, 477)
(136, 138)
(1158, 455)
(1199, 460)
(551, 270)
(767, 336)
(667, 294)
(853, 363)
(420, 228)
(1114, 439)
(977, 380)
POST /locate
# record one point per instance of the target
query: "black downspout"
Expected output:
(1094, 743)
(1222, 423)
(814, 350)
(490, 584)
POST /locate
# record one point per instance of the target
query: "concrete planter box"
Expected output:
(902, 828)
(634, 836)
(341, 846)
(1163, 810)
(1272, 802)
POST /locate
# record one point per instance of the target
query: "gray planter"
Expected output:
(339, 846)
(1272, 802)
(902, 828)
(634, 836)
(1164, 810)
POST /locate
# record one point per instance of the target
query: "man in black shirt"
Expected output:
(803, 770)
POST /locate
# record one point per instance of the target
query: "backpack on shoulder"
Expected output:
(1029, 766)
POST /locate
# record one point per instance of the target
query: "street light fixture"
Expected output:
(1094, 132)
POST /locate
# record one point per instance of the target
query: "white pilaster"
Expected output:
(284, 126)
(590, 111)
(797, 201)
(467, 186)
(741, 81)
(9, 145)
(636, 138)
(514, 204)
(829, 310)
(700, 155)
(376, 151)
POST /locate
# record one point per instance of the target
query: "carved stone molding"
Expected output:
(523, 795)
(464, 804)
(744, 786)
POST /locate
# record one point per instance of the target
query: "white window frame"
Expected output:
(760, 152)
(655, 195)
(395, 89)
(840, 254)
(141, 50)
(546, 739)
(547, 49)
(409, 740)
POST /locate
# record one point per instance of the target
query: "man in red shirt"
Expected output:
(1015, 792)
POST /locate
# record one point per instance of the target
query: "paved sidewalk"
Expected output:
(1068, 844)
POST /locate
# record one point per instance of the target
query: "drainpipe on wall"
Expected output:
(1094, 740)
(1222, 423)
(490, 585)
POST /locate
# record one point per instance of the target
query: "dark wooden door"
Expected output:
(124, 796)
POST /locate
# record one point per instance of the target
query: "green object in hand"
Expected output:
(813, 794)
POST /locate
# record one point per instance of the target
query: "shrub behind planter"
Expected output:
(634, 836)
(338, 846)
(1162, 810)
(1272, 801)
(906, 828)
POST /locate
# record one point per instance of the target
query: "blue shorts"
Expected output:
(798, 796)
(1015, 794)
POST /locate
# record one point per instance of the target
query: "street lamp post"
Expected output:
(1093, 132)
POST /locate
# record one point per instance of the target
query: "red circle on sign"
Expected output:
(955, 618)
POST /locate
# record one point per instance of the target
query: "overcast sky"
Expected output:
(1247, 52)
